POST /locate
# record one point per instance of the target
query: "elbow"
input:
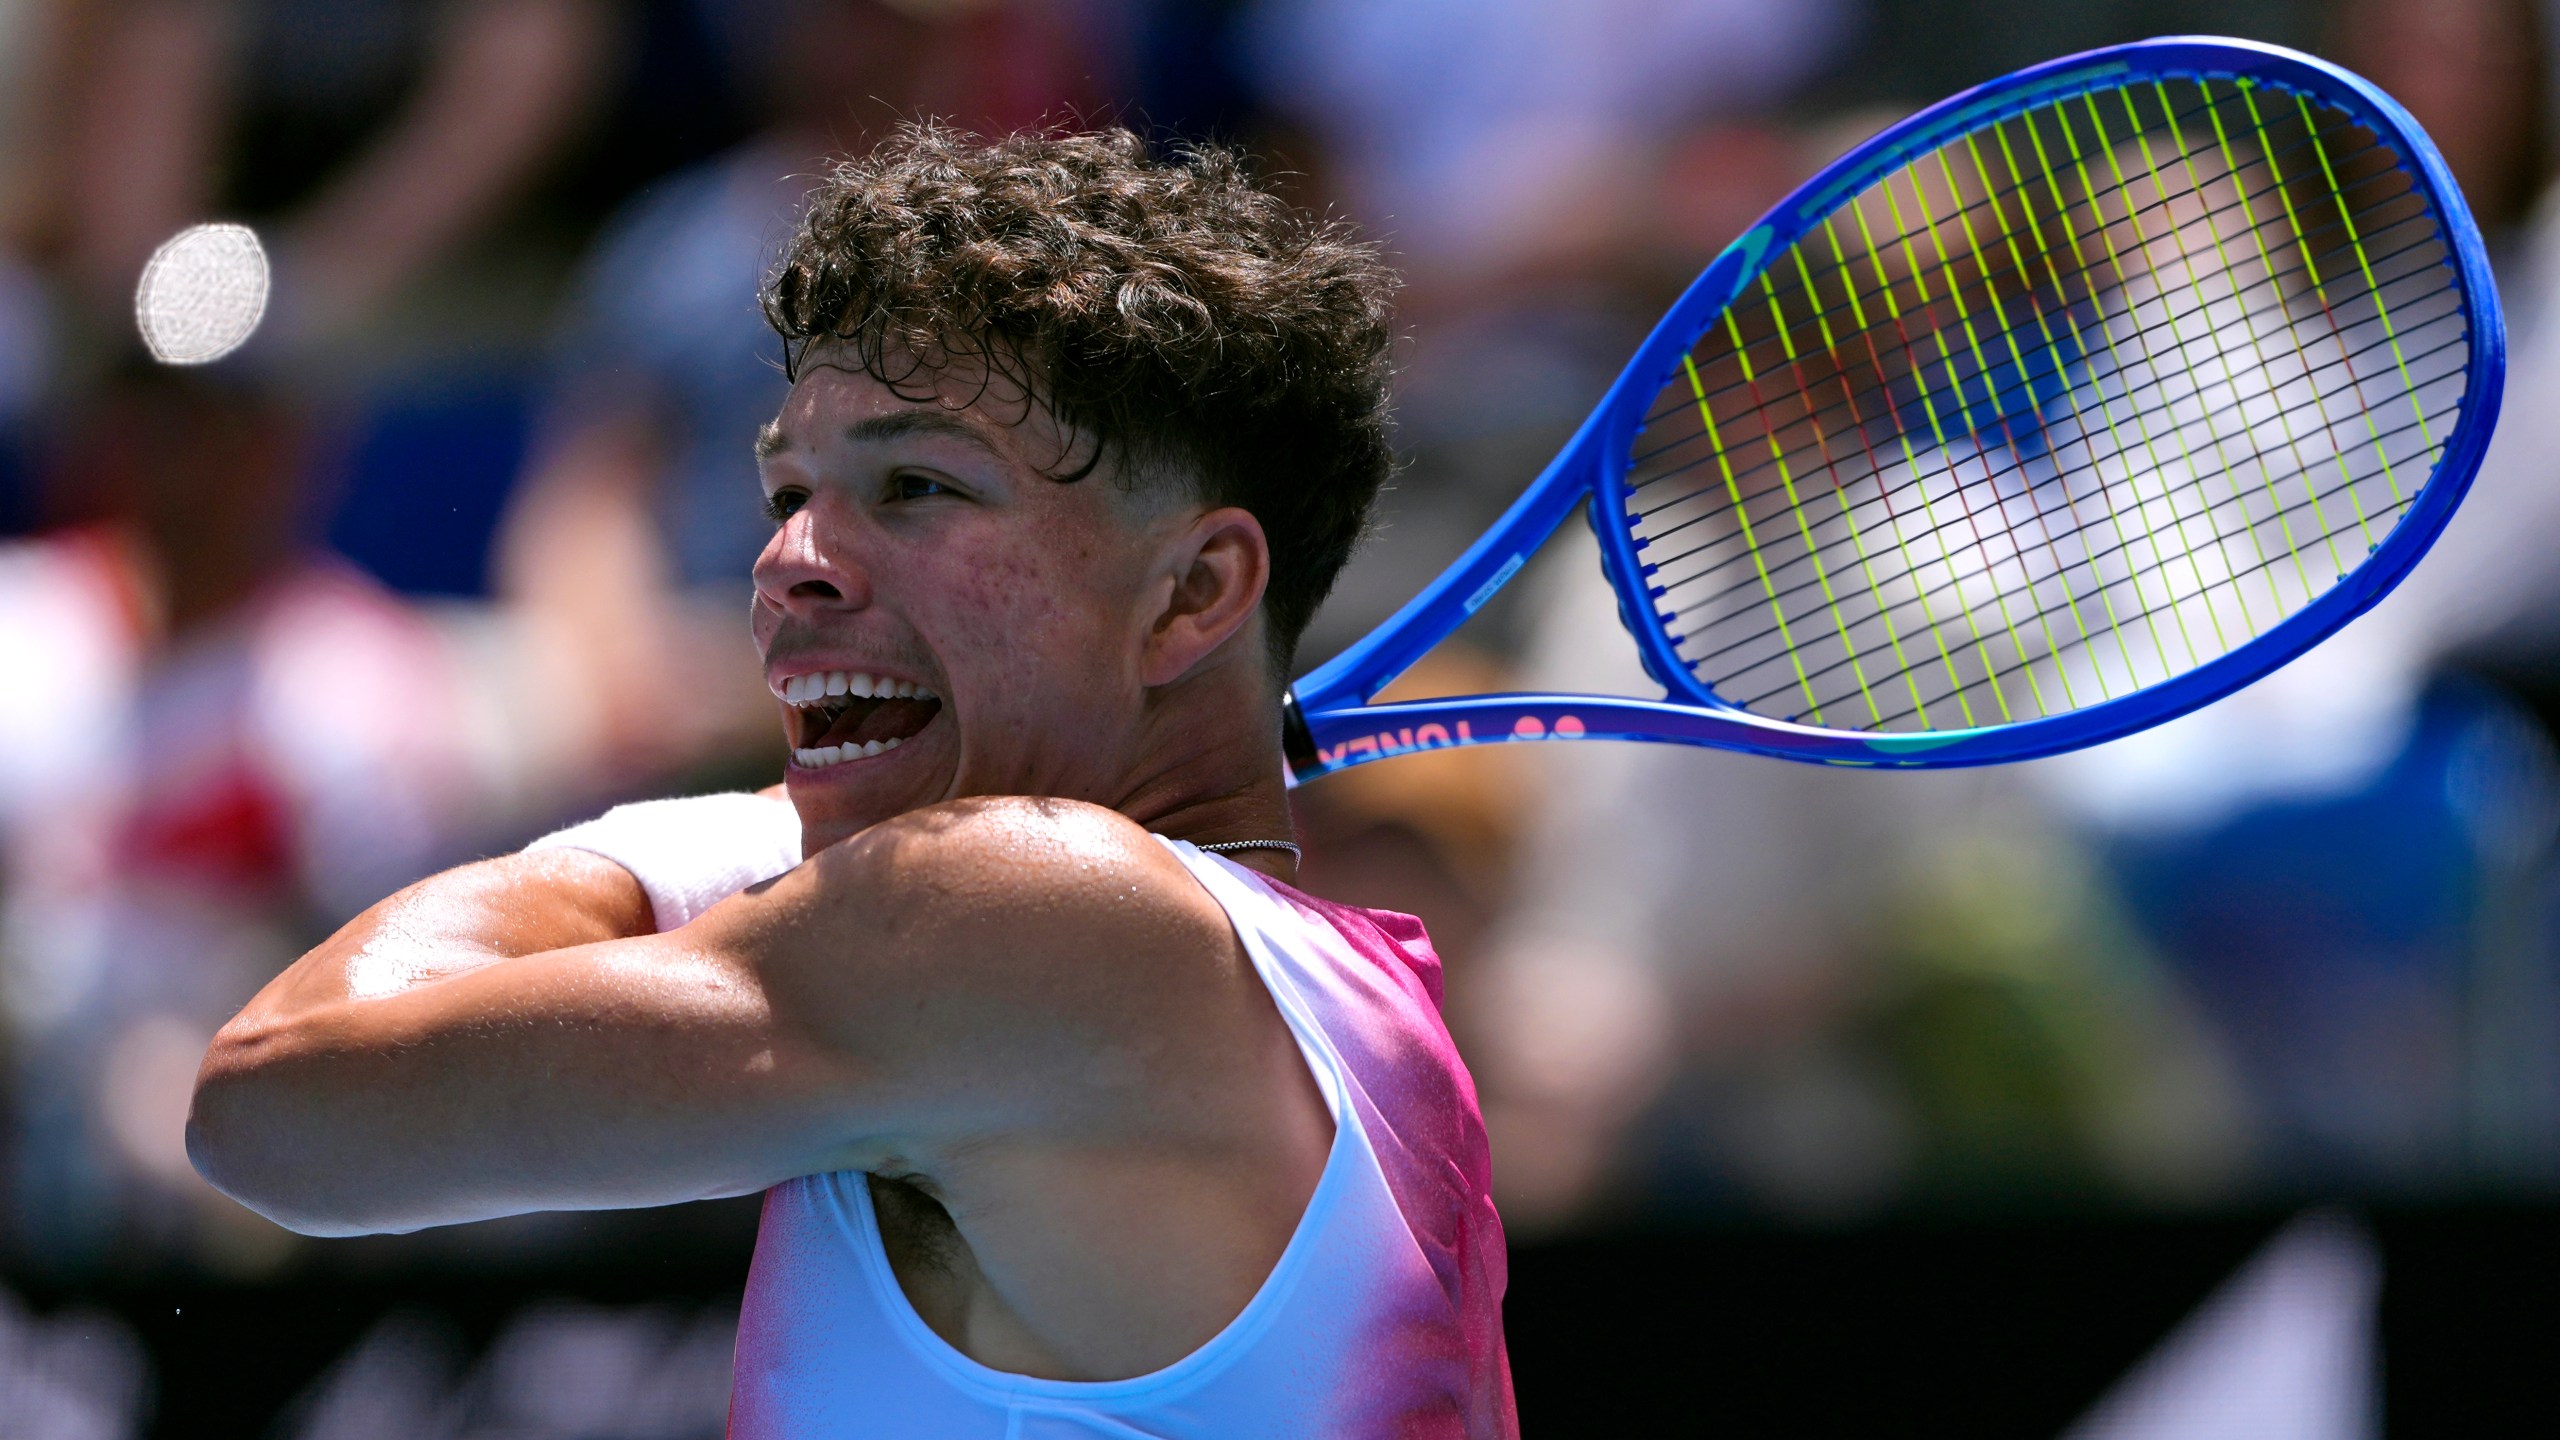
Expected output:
(229, 1162)
(244, 1139)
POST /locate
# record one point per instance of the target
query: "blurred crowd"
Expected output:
(456, 549)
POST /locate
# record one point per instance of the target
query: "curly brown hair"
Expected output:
(1192, 323)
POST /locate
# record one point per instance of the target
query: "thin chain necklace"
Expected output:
(1223, 846)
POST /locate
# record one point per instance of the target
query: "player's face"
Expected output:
(994, 615)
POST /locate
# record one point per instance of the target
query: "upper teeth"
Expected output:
(809, 689)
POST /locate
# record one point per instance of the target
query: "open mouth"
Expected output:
(841, 715)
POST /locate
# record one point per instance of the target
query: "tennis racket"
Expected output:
(2055, 411)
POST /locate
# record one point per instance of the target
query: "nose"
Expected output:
(806, 570)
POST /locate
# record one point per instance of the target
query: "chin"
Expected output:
(826, 819)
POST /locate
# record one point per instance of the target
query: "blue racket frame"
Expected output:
(1329, 725)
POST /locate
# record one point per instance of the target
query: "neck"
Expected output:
(1211, 774)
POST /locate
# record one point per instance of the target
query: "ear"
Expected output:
(1217, 568)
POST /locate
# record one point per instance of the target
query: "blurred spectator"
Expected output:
(218, 740)
(1533, 114)
(216, 743)
(369, 139)
(390, 152)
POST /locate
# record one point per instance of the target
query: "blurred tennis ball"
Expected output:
(202, 294)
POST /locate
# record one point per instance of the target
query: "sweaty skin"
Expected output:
(1089, 1130)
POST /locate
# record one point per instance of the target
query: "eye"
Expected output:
(907, 485)
(784, 503)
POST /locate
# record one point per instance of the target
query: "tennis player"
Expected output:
(1072, 1116)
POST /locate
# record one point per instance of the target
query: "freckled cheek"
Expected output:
(1022, 613)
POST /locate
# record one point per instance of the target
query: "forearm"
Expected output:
(260, 1075)
(529, 1082)
(460, 920)
(399, 1075)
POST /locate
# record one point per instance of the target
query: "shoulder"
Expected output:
(1071, 903)
(1017, 858)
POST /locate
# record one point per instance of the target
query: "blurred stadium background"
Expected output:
(2205, 1084)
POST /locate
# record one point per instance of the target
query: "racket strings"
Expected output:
(1713, 569)
(2300, 508)
(1858, 293)
(1829, 411)
(2269, 568)
(2071, 405)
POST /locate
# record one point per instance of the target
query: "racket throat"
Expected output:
(1297, 742)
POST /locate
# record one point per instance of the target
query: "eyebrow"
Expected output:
(899, 424)
(879, 429)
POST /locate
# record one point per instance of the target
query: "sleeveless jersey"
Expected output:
(1382, 1318)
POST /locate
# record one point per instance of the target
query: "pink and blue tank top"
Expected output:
(1382, 1318)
